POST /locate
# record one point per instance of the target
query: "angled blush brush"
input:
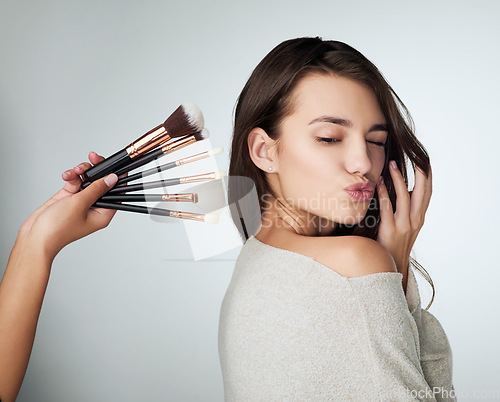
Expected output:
(167, 183)
(187, 119)
(209, 218)
(170, 165)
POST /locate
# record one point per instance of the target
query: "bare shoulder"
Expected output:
(350, 256)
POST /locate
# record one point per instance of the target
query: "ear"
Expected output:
(262, 150)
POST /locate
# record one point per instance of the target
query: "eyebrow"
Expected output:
(347, 123)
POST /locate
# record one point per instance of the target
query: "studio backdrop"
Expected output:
(131, 312)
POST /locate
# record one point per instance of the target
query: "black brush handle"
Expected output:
(132, 197)
(144, 186)
(108, 165)
(133, 208)
(142, 160)
(132, 166)
(146, 173)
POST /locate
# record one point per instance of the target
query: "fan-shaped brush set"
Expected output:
(185, 126)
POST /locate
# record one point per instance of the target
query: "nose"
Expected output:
(357, 157)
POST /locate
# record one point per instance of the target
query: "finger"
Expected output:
(419, 195)
(82, 167)
(402, 195)
(69, 175)
(95, 158)
(386, 214)
(96, 190)
(73, 181)
(428, 192)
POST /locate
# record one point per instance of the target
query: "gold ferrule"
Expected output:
(187, 215)
(148, 141)
(199, 177)
(188, 197)
(174, 146)
(193, 158)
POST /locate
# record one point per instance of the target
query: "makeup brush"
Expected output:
(167, 182)
(170, 165)
(157, 153)
(211, 195)
(208, 197)
(209, 218)
(185, 120)
(211, 198)
(186, 197)
(164, 150)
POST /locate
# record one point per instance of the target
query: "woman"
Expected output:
(64, 218)
(323, 303)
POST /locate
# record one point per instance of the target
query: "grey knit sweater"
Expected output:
(293, 329)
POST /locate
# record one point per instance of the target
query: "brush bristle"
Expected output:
(201, 135)
(211, 218)
(187, 119)
(216, 151)
(195, 116)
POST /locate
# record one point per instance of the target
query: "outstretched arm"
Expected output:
(64, 218)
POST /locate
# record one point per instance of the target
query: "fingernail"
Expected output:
(111, 180)
(393, 165)
(380, 181)
(65, 174)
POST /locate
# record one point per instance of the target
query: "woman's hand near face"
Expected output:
(398, 231)
(65, 217)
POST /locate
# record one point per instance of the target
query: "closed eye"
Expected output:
(378, 143)
(327, 140)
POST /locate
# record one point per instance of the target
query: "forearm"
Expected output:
(21, 295)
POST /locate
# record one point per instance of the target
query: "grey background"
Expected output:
(128, 314)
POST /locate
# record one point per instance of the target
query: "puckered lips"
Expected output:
(361, 191)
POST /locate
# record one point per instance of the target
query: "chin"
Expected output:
(350, 221)
(329, 218)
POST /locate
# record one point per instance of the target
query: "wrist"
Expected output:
(32, 247)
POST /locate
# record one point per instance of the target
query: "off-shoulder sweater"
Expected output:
(293, 329)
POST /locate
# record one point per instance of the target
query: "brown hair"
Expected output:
(266, 100)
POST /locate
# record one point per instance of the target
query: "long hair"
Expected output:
(266, 100)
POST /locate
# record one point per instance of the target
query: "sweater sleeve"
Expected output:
(435, 351)
(419, 357)
(391, 338)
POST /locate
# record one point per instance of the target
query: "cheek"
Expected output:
(305, 172)
(377, 158)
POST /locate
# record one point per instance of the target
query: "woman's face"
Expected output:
(333, 139)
